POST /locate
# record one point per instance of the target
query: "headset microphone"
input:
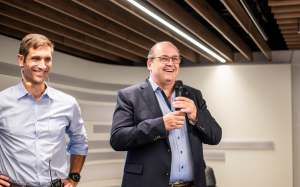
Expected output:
(178, 90)
(27, 83)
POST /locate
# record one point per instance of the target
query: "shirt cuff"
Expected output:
(75, 148)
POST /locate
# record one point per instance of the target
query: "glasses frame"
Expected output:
(180, 58)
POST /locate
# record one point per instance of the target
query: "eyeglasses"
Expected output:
(166, 59)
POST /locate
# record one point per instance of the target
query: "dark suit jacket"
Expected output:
(138, 128)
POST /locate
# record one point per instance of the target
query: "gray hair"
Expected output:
(151, 52)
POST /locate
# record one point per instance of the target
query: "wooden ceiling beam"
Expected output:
(131, 19)
(288, 26)
(292, 43)
(238, 12)
(211, 16)
(58, 47)
(74, 24)
(291, 35)
(126, 18)
(282, 2)
(289, 31)
(287, 15)
(23, 16)
(291, 39)
(288, 8)
(78, 12)
(81, 13)
(24, 27)
(294, 46)
(171, 8)
(287, 21)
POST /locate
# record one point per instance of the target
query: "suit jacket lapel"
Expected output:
(151, 100)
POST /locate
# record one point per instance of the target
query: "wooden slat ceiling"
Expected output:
(287, 14)
(116, 32)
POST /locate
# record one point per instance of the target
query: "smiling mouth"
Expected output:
(39, 72)
(169, 70)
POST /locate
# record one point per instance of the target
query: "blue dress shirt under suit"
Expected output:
(182, 166)
(25, 142)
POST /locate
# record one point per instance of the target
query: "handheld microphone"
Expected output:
(27, 83)
(178, 90)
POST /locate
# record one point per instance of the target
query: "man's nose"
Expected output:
(42, 64)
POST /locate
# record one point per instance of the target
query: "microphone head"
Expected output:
(178, 84)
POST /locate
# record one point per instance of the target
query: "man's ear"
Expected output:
(20, 60)
(149, 65)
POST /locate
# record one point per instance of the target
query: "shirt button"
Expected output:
(167, 173)
(181, 152)
(36, 138)
(169, 150)
(178, 138)
(35, 104)
(39, 174)
(181, 167)
(38, 156)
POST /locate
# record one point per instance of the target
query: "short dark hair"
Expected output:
(34, 41)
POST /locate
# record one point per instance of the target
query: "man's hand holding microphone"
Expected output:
(184, 106)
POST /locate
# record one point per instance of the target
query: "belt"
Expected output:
(16, 185)
(181, 184)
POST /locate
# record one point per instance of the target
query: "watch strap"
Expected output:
(75, 176)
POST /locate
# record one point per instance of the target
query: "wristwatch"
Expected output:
(74, 176)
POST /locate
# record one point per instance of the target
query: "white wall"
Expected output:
(296, 117)
(252, 103)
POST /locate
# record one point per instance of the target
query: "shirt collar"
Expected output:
(49, 91)
(22, 90)
(154, 85)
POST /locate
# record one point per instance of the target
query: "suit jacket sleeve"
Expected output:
(126, 135)
(208, 129)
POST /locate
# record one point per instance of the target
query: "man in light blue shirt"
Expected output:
(33, 120)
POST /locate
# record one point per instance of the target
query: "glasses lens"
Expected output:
(175, 60)
(164, 60)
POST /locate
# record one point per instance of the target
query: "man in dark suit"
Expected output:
(164, 146)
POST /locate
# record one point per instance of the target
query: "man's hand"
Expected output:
(3, 181)
(174, 120)
(187, 106)
(69, 182)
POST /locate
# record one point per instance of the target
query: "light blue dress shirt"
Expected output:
(182, 165)
(25, 142)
